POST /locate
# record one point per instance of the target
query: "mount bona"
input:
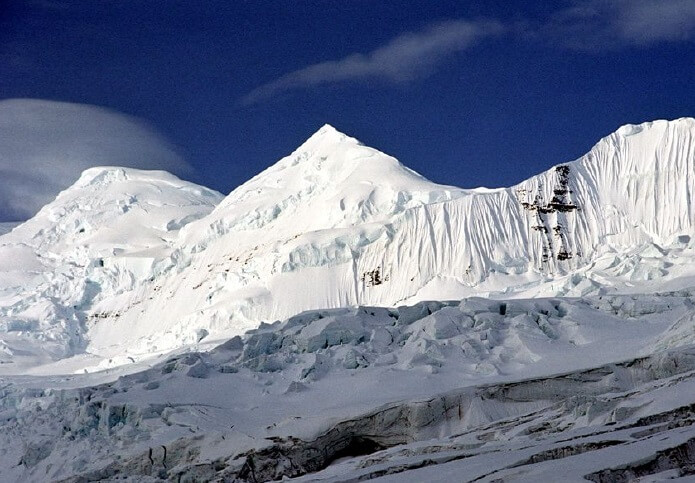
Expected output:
(127, 264)
(341, 318)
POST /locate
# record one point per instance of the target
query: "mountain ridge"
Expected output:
(337, 223)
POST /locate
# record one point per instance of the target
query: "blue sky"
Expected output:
(466, 93)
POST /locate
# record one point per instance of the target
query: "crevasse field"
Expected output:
(340, 318)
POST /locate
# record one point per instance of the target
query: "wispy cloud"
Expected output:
(615, 24)
(45, 145)
(407, 57)
(590, 25)
(646, 21)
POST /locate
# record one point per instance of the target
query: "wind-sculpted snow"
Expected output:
(339, 224)
(340, 318)
(384, 391)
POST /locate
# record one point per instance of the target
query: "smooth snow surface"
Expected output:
(337, 224)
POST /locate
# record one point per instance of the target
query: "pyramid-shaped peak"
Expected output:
(328, 130)
(328, 152)
(328, 135)
(329, 165)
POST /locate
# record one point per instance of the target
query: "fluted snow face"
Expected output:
(641, 178)
(633, 188)
(337, 223)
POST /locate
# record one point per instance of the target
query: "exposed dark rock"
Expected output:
(372, 277)
(680, 458)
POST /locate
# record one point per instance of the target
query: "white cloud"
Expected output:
(585, 25)
(613, 24)
(646, 21)
(45, 145)
(407, 57)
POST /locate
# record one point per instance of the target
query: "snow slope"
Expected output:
(577, 364)
(7, 226)
(338, 224)
(98, 239)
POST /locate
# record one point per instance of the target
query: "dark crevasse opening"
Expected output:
(356, 446)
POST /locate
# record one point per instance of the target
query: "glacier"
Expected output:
(341, 318)
(428, 392)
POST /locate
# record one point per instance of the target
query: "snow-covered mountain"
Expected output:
(99, 239)
(379, 358)
(45, 145)
(338, 224)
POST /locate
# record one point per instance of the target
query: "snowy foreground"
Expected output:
(341, 318)
(534, 390)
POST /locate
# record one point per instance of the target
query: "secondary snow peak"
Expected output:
(101, 175)
(107, 175)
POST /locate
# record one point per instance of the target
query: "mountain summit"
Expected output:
(331, 180)
(337, 224)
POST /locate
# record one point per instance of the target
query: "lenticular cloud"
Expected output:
(45, 145)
